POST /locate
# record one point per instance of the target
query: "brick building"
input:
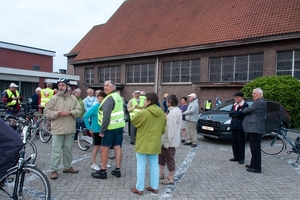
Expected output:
(209, 47)
(28, 67)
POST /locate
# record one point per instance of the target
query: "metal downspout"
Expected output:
(156, 76)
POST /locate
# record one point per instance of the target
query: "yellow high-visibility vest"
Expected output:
(117, 114)
(46, 95)
(12, 95)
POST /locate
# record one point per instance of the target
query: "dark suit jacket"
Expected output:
(237, 116)
(254, 121)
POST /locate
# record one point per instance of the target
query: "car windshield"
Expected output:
(227, 105)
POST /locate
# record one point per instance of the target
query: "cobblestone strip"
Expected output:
(169, 190)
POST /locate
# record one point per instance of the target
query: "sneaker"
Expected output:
(95, 167)
(116, 173)
(107, 165)
(99, 174)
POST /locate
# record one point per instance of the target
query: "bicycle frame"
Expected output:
(285, 138)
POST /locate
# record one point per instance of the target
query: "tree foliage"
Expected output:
(284, 89)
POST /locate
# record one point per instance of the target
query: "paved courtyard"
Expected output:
(203, 172)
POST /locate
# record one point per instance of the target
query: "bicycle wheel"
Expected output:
(32, 184)
(31, 149)
(84, 142)
(272, 144)
(45, 130)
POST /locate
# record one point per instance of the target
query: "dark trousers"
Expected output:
(132, 133)
(254, 142)
(238, 144)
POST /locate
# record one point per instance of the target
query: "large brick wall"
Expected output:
(24, 60)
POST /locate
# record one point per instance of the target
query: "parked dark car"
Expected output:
(215, 123)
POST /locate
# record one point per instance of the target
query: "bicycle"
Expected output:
(275, 143)
(25, 180)
(84, 138)
(44, 126)
(19, 125)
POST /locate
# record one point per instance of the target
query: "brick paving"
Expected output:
(203, 172)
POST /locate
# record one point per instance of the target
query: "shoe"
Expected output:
(253, 170)
(150, 189)
(233, 159)
(194, 145)
(95, 167)
(71, 170)
(241, 162)
(134, 190)
(107, 165)
(54, 175)
(187, 143)
(116, 173)
(101, 174)
(182, 141)
(248, 166)
(132, 143)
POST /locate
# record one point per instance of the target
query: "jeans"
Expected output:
(141, 160)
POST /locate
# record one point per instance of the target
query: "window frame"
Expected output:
(181, 70)
(217, 71)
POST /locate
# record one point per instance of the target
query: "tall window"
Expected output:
(140, 73)
(185, 71)
(89, 76)
(288, 63)
(236, 68)
(110, 73)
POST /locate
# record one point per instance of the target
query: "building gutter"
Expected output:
(194, 48)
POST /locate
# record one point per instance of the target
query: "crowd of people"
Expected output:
(155, 132)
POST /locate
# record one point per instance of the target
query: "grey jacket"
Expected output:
(255, 115)
(192, 111)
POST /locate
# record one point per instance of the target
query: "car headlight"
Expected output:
(228, 121)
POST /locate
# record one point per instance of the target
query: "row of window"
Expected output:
(239, 68)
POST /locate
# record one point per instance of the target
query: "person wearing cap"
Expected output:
(134, 106)
(12, 98)
(238, 135)
(62, 109)
(46, 95)
(254, 126)
(35, 99)
(165, 103)
(191, 116)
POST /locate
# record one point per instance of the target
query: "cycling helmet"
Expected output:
(63, 80)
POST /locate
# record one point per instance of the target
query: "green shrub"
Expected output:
(284, 89)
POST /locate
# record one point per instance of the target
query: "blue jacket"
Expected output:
(93, 114)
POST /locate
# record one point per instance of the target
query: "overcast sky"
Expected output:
(56, 25)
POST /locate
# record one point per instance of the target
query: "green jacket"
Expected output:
(82, 106)
(151, 124)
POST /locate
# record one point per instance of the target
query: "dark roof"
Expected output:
(140, 26)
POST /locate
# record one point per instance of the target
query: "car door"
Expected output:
(273, 110)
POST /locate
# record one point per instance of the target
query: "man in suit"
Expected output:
(254, 125)
(237, 132)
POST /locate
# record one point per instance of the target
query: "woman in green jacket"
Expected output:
(150, 123)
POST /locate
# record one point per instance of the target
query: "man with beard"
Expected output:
(62, 109)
